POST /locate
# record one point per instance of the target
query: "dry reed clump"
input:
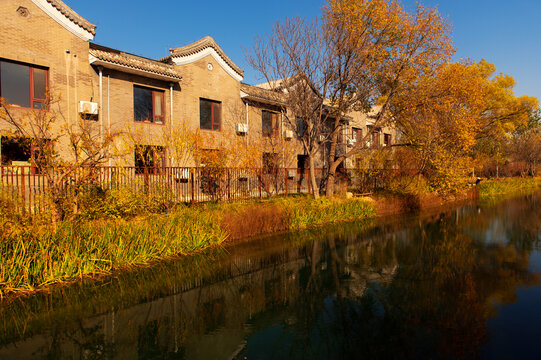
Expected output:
(255, 219)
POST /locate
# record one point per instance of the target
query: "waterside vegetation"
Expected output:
(35, 257)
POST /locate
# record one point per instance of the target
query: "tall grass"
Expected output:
(37, 257)
(508, 186)
(305, 212)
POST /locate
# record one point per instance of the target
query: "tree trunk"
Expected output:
(333, 164)
(315, 186)
(331, 178)
(57, 212)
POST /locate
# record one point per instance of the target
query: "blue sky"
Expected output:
(503, 32)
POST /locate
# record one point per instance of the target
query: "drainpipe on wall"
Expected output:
(171, 118)
(100, 112)
(108, 114)
(247, 121)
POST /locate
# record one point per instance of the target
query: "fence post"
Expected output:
(228, 185)
(260, 180)
(193, 185)
(286, 179)
(23, 189)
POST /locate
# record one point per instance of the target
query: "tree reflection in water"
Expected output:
(409, 289)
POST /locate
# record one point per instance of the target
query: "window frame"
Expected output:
(32, 99)
(374, 137)
(158, 153)
(387, 139)
(212, 108)
(270, 163)
(154, 116)
(356, 133)
(273, 124)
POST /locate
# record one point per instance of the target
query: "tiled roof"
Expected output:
(135, 62)
(263, 95)
(73, 16)
(201, 45)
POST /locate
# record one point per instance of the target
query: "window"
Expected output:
(270, 163)
(148, 105)
(356, 134)
(21, 151)
(387, 139)
(269, 123)
(300, 128)
(149, 159)
(374, 135)
(15, 150)
(210, 114)
(23, 85)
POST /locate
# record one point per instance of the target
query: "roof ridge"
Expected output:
(198, 46)
(133, 61)
(73, 16)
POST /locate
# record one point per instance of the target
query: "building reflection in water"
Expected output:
(423, 287)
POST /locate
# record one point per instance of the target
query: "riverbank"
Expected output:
(35, 258)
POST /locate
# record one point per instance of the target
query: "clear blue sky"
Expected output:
(506, 33)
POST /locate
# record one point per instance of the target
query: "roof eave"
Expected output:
(130, 70)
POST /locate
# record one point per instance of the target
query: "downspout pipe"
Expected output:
(171, 118)
(100, 70)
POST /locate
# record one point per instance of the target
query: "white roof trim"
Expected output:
(63, 20)
(183, 60)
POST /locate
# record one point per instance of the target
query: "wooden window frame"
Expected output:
(32, 99)
(213, 125)
(155, 117)
(154, 168)
(387, 139)
(273, 124)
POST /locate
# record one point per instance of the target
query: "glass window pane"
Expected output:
(158, 103)
(216, 116)
(274, 124)
(205, 112)
(40, 83)
(265, 123)
(15, 83)
(142, 104)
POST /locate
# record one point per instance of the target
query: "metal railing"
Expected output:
(25, 189)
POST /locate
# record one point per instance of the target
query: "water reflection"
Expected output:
(422, 287)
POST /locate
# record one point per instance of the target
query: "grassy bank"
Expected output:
(36, 257)
(508, 186)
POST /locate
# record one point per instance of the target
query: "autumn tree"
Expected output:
(359, 58)
(47, 130)
(378, 50)
(294, 62)
(525, 146)
(463, 111)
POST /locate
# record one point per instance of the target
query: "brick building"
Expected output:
(46, 46)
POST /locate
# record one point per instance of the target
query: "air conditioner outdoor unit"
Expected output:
(88, 107)
(351, 142)
(242, 128)
(288, 134)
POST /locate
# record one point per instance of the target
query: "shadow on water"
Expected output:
(421, 286)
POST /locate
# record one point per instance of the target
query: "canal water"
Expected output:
(458, 283)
